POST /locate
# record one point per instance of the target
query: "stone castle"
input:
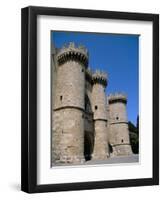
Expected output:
(86, 124)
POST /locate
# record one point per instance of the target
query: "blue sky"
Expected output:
(114, 53)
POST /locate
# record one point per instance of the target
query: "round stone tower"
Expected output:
(118, 125)
(100, 151)
(69, 104)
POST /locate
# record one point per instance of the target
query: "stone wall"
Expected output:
(70, 85)
(99, 102)
(68, 136)
(101, 151)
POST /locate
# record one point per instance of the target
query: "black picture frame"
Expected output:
(29, 98)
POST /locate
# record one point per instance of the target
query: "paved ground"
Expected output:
(115, 160)
(121, 159)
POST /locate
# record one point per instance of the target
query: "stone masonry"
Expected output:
(86, 124)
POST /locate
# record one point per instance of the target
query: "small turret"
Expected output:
(99, 80)
(117, 97)
(117, 107)
(99, 77)
(118, 132)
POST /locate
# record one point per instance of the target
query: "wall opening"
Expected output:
(110, 148)
(96, 107)
(87, 147)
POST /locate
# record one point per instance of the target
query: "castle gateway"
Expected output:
(86, 124)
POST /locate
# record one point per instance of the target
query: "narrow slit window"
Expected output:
(61, 98)
(96, 107)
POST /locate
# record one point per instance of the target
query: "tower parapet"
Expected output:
(117, 97)
(72, 52)
(99, 77)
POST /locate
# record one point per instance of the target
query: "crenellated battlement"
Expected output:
(99, 77)
(84, 126)
(72, 52)
(117, 97)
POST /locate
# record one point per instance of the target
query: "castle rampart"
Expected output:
(84, 122)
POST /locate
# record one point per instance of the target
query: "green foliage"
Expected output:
(134, 136)
(132, 127)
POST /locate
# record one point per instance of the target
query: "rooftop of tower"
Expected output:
(117, 97)
(100, 77)
(72, 51)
